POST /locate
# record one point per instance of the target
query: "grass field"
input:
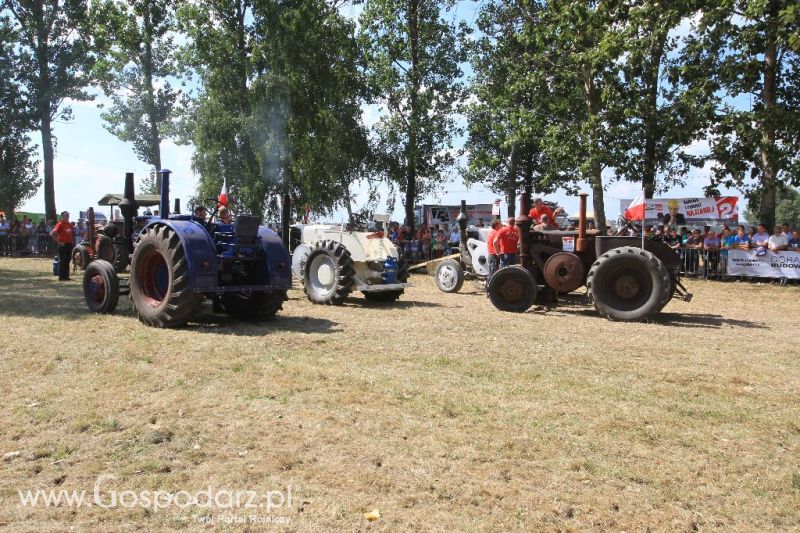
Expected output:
(441, 412)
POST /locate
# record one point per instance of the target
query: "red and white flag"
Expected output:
(635, 211)
(223, 194)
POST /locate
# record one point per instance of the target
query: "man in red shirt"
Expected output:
(539, 209)
(507, 243)
(494, 258)
(64, 237)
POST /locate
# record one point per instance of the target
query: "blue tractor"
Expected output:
(178, 261)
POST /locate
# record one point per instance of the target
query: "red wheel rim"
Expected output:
(153, 277)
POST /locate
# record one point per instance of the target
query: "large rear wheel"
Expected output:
(160, 280)
(328, 273)
(628, 284)
(254, 306)
(512, 289)
(100, 287)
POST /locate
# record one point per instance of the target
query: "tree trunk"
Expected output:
(511, 183)
(769, 169)
(49, 175)
(651, 122)
(44, 105)
(150, 105)
(595, 169)
(415, 80)
(347, 203)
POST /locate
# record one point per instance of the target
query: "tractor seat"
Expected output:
(246, 229)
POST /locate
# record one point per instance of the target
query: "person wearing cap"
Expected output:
(65, 240)
(201, 213)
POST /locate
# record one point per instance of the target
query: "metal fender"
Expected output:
(279, 264)
(480, 256)
(201, 254)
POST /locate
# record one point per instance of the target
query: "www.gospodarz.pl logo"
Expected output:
(104, 496)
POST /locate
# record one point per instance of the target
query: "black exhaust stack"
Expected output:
(129, 208)
(164, 207)
(177, 209)
(463, 219)
(286, 213)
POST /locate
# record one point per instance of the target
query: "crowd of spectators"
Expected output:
(709, 247)
(23, 237)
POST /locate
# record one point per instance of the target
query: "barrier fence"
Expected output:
(740, 264)
(40, 244)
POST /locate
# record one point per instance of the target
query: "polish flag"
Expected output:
(635, 211)
(223, 194)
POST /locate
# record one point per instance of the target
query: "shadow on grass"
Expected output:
(688, 320)
(704, 321)
(397, 304)
(208, 322)
(38, 295)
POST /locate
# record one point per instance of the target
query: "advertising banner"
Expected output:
(434, 215)
(769, 265)
(689, 211)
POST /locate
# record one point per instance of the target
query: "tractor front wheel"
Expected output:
(81, 257)
(512, 289)
(100, 287)
(160, 280)
(328, 276)
(449, 276)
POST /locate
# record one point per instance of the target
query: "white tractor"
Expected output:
(331, 262)
(473, 265)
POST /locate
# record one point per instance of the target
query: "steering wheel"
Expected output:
(622, 230)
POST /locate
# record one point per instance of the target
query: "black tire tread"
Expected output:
(344, 272)
(106, 270)
(665, 283)
(496, 298)
(81, 252)
(180, 304)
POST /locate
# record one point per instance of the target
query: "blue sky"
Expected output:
(90, 162)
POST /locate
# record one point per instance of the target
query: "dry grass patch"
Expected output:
(440, 411)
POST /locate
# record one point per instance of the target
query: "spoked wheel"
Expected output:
(449, 276)
(328, 273)
(254, 306)
(512, 289)
(628, 284)
(160, 278)
(100, 287)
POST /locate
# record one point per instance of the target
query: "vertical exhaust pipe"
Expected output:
(90, 224)
(164, 207)
(177, 209)
(129, 208)
(524, 223)
(582, 243)
(463, 219)
(286, 212)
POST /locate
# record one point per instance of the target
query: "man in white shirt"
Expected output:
(778, 242)
(455, 239)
